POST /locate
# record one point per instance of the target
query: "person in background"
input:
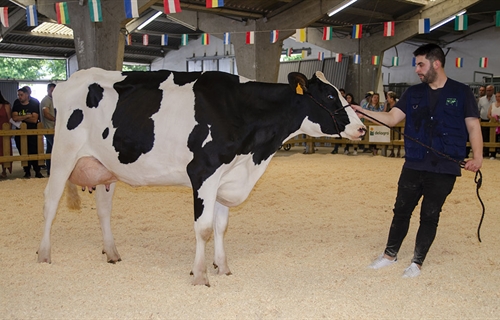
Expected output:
(375, 105)
(5, 116)
(48, 120)
(484, 104)
(429, 108)
(367, 100)
(26, 110)
(350, 99)
(390, 102)
(481, 92)
(494, 116)
(336, 146)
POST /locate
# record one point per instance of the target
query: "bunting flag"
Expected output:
(4, 16)
(389, 28)
(95, 10)
(321, 56)
(483, 62)
(62, 12)
(172, 6)
(395, 61)
(357, 30)
(414, 62)
(497, 20)
(300, 35)
(459, 62)
(205, 39)
(131, 9)
(274, 36)
(128, 39)
(338, 57)
(31, 16)
(184, 40)
(327, 33)
(227, 38)
(303, 54)
(215, 3)
(145, 39)
(375, 60)
(357, 59)
(424, 25)
(250, 38)
(164, 40)
(461, 22)
(289, 52)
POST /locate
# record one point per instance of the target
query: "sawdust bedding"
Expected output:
(298, 248)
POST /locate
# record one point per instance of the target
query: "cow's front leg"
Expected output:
(221, 217)
(203, 230)
(104, 205)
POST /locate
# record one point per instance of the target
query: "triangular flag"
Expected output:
(128, 39)
(497, 20)
(357, 59)
(145, 39)
(357, 31)
(205, 39)
(131, 9)
(327, 33)
(227, 38)
(171, 6)
(31, 16)
(184, 40)
(483, 62)
(414, 62)
(95, 10)
(300, 35)
(395, 61)
(62, 12)
(461, 22)
(459, 62)
(375, 60)
(215, 3)
(424, 25)
(4, 16)
(164, 40)
(250, 37)
(321, 56)
(389, 28)
(274, 36)
(338, 57)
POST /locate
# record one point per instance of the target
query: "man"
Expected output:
(481, 92)
(48, 120)
(439, 112)
(484, 104)
(26, 110)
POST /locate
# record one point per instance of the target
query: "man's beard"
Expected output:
(430, 76)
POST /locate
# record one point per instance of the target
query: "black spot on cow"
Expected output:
(75, 119)
(139, 98)
(182, 78)
(94, 96)
(105, 133)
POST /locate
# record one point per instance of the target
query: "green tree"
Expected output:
(135, 67)
(32, 69)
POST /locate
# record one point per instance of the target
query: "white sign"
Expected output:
(379, 134)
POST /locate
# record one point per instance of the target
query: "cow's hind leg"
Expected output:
(104, 205)
(221, 216)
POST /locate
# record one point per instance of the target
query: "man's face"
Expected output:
(50, 90)
(22, 96)
(489, 91)
(425, 70)
(482, 91)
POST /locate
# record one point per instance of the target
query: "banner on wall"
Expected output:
(379, 134)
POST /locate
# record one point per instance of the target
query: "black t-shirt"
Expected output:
(22, 110)
(433, 162)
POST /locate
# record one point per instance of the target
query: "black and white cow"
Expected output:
(210, 131)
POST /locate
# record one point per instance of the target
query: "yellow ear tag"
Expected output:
(299, 90)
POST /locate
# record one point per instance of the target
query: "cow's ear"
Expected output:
(298, 82)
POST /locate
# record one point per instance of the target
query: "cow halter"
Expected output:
(332, 114)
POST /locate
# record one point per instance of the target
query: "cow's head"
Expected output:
(327, 111)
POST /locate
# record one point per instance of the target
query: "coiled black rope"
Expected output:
(478, 179)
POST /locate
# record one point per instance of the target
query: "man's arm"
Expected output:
(47, 115)
(390, 118)
(476, 141)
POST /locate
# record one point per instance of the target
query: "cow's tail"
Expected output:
(72, 196)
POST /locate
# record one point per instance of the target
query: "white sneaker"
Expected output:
(346, 151)
(382, 262)
(412, 271)
(355, 153)
(492, 158)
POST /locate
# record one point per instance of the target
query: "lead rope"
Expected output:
(478, 179)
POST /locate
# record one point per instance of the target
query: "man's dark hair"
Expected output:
(432, 52)
(23, 89)
(51, 85)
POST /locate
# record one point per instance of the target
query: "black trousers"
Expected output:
(413, 185)
(32, 149)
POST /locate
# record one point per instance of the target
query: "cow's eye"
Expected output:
(330, 97)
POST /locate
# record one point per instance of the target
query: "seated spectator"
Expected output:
(494, 116)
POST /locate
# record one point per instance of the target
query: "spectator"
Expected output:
(5, 117)
(390, 102)
(484, 104)
(374, 105)
(367, 99)
(48, 120)
(481, 92)
(494, 115)
(26, 110)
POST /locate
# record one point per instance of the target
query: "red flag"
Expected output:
(145, 39)
(389, 28)
(172, 6)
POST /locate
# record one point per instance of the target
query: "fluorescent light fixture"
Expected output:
(153, 17)
(341, 6)
(439, 24)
